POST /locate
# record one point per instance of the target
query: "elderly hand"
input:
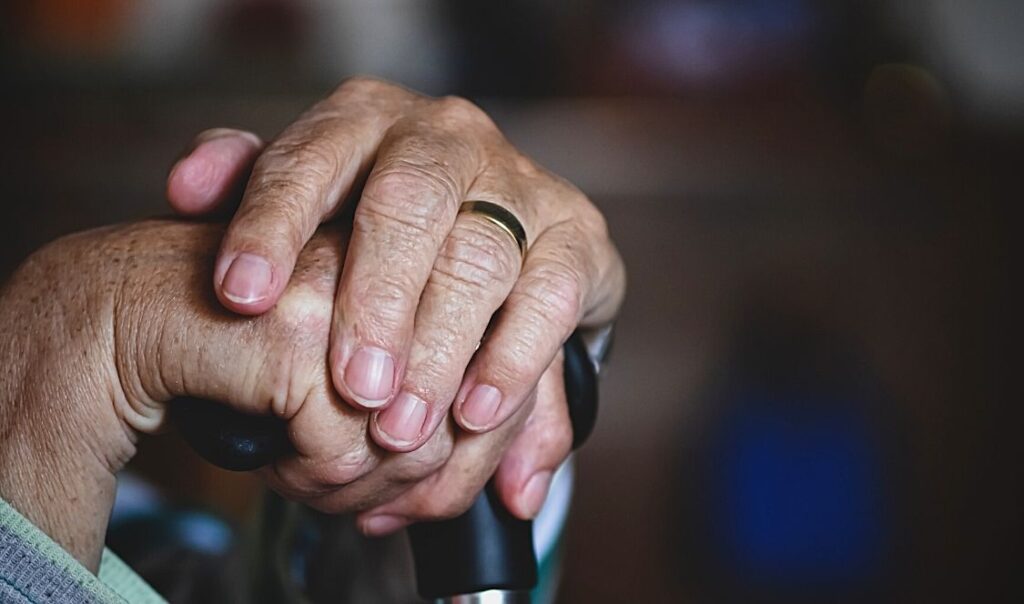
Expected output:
(422, 282)
(104, 327)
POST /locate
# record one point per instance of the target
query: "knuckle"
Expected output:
(476, 258)
(270, 181)
(358, 81)
(435, 361)
(421, 463)
(301, 317)
(273, 229)
(459, 110)
(281, 209)
(410, 178)
(408, 194)
(368, 91)
(312, 155)
(525, 166)
(383, 220)
(516, 363)
(342, 469)
(394, 286)
(386, 300)
(589, 218)
(363, 84)
(554, 294)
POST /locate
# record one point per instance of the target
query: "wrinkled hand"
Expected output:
(421, 282)
(106, 326)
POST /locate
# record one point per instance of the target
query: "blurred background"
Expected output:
(809, 399)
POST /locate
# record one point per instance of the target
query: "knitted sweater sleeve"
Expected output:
(35, 570)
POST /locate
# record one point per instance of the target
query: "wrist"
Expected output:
(62, 442)
(161, 317)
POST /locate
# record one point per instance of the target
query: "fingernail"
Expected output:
(369, 376)
(247, 279)
(534, 493)
(402, 422)
(378, 526)
(480, 406)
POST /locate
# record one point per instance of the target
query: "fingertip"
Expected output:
(400, 427)
(246, 283)
(190, 184)
(199, 182)
(381, 525)
(532, 495)
(511, 475)
(506, 484)
(337, 370)
(522, 490)
(477, 407)
(366, 379)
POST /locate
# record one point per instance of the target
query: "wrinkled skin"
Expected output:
(437, 316)
(103, 328)
(422, 281)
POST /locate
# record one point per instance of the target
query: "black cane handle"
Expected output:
(485, 548)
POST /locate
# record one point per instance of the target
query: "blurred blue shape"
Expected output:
(702, 42)
(202, 532)
(798, 493)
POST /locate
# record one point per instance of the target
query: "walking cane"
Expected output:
(484, 556)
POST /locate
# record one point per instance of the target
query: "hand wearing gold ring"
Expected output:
(423, 281)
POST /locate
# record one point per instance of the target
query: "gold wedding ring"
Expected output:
(501, 218)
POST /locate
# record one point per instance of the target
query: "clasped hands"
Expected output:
(411, 348)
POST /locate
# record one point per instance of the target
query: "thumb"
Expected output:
(212, 173)
(174, 339)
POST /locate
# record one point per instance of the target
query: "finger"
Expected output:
(408, 206)
(331, 448)
(298, 181)
(451, 490)
(188, 347)
(208, 176)
(471, 277)
(540, 313)
(388, 477)
(524, 474)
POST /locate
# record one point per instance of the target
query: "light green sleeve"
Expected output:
(35, 570)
